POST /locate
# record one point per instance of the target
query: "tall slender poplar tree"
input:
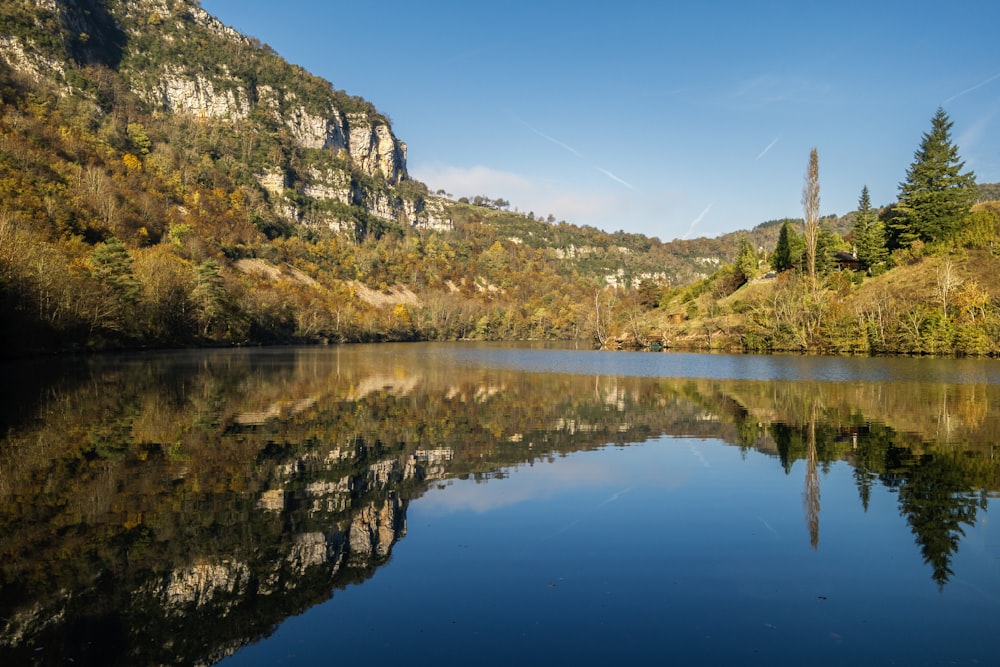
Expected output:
(810, 206)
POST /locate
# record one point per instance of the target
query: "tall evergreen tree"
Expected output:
(788, 251)
(209, 296)
(111, 265)
(936, 195)
(827, 243)
(869, 234)
(745, 267)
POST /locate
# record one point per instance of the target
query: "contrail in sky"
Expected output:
(694, 223)
(769, 147)
(553, 140)
(615, 178)
(577, 153)
(975, 87)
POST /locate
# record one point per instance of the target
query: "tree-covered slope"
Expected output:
(165, 180)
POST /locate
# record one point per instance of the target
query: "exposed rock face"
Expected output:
(273, 181)
(201, 583)
(331, 184)
(330, 497)
(199, 97)
(374, 530)
(368, 538)
(314, 549)
(431, 463)
(317, 131)
(362, 140)
(27, 62)
(374, 148)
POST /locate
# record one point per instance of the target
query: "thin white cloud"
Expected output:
(471, 181)
(609, 208)
(540, 196)
(767, 149)
(972, 88)
(696, 221)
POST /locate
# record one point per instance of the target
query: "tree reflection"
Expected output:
(938, 502)
(810, 496)
(248, 488)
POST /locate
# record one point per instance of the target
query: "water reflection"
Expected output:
(172, 508)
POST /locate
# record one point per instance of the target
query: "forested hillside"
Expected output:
(166, 181)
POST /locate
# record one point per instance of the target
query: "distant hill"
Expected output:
(988, 192)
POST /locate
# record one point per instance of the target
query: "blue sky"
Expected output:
(669, 119)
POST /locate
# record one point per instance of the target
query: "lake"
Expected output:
(482, 504)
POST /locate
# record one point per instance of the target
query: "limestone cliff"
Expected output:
(320, 155)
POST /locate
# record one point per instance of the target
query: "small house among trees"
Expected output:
(847, 261)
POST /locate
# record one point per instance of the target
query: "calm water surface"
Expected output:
(456, 504)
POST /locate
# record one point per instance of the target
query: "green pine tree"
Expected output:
(869, 235)
(827, 244)
(210, 297)
(745, 267)
(789, 249)
(111, 265)
(936, 195)
(113, 303)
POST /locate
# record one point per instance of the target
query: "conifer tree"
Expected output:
(789, 249)
(111, 265)
(827, 243)
(869, 234)
(936, 195)
(745, 267)
(209, 296)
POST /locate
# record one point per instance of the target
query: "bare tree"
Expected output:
(810, 206)
(811, 494)
(602, 318)
(947, 282)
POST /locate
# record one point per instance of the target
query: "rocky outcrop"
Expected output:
(425, 213)
(316, 549)
(330, 184)
(366, 541)
(312, 131)
(27, 61)
(202, 583)
(369, 144)
(374, 531)
(254, 89)
(198, 96)
(374, 148)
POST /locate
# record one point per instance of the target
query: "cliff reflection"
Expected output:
(158, 506)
